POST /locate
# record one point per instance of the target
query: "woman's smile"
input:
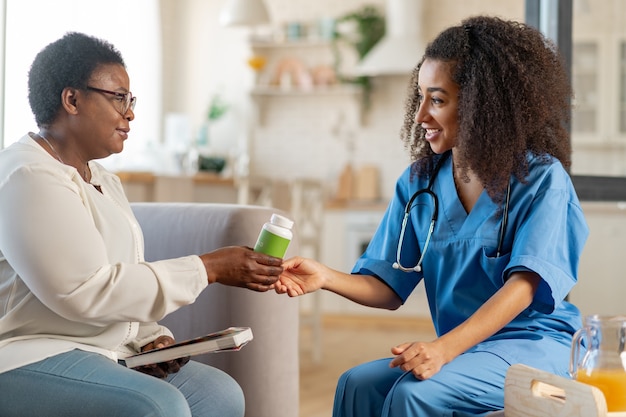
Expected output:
(431, 134)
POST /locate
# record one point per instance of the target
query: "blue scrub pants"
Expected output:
(471, 385)
(79, 383)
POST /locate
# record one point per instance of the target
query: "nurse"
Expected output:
(493, 227)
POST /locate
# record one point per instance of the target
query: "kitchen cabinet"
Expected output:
(599, 108)
(599, 76)
(586, 83)
(598, 129)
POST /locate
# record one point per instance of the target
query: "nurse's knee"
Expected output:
(375, 372)
(420, 395)
(403, 401)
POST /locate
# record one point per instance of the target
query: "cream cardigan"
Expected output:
(72, 270)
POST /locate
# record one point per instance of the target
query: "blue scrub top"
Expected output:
(546, 232)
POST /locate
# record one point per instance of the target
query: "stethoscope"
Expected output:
(433, 219)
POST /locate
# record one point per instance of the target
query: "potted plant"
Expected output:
(207, 162)
(362, 29)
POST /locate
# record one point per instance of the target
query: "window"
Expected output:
(132, 26)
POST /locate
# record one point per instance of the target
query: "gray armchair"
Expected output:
(267, 368)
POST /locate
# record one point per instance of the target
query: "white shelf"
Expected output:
(296, 57)
(302, 43)
(336, 90)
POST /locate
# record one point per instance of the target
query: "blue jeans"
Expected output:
(79, 383)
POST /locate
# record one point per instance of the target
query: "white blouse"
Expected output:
(72, 269)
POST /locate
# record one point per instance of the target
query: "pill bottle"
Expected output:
(275, 236)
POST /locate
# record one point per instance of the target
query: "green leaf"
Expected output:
(217, 108)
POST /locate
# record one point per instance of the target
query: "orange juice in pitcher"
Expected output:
(611, 382)
(603, 363)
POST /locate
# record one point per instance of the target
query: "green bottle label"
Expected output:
(271, 244)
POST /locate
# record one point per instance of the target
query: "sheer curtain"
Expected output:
(132, 26)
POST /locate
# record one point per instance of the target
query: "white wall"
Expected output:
(601, 285)
(297, 137)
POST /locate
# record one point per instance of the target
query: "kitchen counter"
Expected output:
(200, 187)
(149, 177)
(357, 205)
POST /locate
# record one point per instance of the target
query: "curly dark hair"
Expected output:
(514, 98)
(67, 62)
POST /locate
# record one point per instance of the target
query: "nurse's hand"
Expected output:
(301, 276)
(422, 359)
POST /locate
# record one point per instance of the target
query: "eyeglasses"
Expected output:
(125, 101)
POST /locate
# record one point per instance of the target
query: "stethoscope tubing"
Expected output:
(407, 209)
(433, 219)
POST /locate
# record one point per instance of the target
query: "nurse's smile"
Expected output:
(431, 134)
(438, 109)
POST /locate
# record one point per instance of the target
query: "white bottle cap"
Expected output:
(282, 221)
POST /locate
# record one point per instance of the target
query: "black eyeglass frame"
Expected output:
(129, 103)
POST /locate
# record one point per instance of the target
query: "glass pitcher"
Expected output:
(603, 365)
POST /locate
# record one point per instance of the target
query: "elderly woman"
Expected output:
(76, 294)
(486, 216)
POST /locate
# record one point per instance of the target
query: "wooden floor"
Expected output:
(348, 341)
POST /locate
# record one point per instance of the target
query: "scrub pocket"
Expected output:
(494, 266)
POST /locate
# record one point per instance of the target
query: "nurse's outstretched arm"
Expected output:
(303, 275)
(424, 359)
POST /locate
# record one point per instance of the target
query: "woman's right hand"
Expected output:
(240, 266)
(301, 276)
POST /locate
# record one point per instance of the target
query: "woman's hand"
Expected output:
(162, 369)
(301, 276)
(422, 359)
(239, 266)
